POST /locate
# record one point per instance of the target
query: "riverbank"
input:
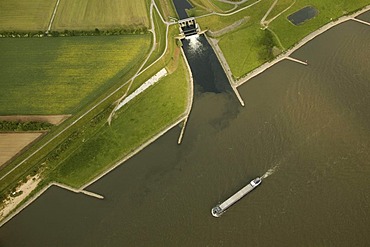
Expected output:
(301, 43)
(16, 197)
(90, 152)
(284, 55)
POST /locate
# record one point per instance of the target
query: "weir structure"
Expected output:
(189, 27)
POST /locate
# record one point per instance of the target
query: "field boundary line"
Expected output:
(93, 107)
(53, 16)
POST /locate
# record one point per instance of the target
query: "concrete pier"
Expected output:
(297, 60)
(89, 193)
(182, 130)
(361, 21)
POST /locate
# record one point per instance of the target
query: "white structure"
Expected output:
(142, 88)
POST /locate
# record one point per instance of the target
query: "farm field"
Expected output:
(12, 143)
(61, 75)
(25, 15)
(135, 124)
(101, 14)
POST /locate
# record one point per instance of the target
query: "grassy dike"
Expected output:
(136, 123)
(141, 119)
(252, 50)
(61, 160)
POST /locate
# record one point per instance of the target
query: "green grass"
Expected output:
(160, 29)
(62, 75)
(143, 117)
(25, 15)
(290, 34)
(166, 8)
(280, 6)
(53, 157)
(224, 7)
(247, 38)
(101, 14)
(212, 5)
(134, 124)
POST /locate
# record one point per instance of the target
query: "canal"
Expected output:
(305, 128)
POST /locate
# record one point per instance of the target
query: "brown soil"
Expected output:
(13, 143)
(53, 119)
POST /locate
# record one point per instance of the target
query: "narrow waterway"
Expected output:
(304, 128)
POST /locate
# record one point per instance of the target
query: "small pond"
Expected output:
(302, 15)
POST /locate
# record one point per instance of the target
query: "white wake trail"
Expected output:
(270, 171)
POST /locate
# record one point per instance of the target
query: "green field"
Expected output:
(251, 52)
(137, 123)
(25, 15)
(212, 5)
(62, 75)
(101, 14)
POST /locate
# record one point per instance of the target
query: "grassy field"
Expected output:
(54, 159)
(25, 15)
(135, 124)
(167, 9)
(212, 5)
(328, 11)
(101, 14)
(12, 143)
(61, 75)
(251, 51)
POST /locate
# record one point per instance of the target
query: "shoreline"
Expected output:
(298, 45)
(285, 55)
(182, 117)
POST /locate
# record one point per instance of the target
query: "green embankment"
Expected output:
(249, 39)
(160, 30)
(134, 125)
(57, 161)
(62, 75)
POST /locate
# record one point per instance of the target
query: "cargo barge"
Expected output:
(219, 209)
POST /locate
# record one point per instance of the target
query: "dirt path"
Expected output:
(262, 22)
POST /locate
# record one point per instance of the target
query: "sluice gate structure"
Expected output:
(189, 27)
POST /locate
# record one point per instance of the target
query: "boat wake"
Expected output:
(270, 171)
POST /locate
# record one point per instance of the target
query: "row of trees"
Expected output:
(67, 33)
(24, 126)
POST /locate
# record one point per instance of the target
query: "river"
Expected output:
(305, 129)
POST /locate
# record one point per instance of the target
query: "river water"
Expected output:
(305, 129)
